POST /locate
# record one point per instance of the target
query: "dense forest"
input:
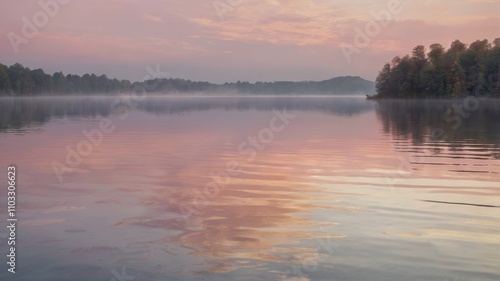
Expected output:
(458, 71)
(17, 80)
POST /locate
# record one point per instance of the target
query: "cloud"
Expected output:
(153, 18)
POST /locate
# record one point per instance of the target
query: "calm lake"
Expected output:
(252, 188)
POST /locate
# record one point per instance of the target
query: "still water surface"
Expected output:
(253, 188)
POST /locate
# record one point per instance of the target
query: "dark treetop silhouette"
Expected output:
(457, 72)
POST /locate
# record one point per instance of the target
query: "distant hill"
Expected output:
(337, 85)
(17, 80)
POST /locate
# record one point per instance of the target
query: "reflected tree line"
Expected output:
(422, 121)
(22, 113)
(434, 121)
(454, 72)
(25, 112)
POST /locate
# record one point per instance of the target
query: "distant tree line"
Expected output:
(17, 80)
(458, 71)
(337, 85)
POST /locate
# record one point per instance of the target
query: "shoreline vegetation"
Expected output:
(17, 80)
(440, 73)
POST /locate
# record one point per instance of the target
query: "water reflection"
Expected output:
(417, 120)
(21, 113)
(364, 178)
(445, 132)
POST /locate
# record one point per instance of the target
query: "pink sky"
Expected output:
(255, 40)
